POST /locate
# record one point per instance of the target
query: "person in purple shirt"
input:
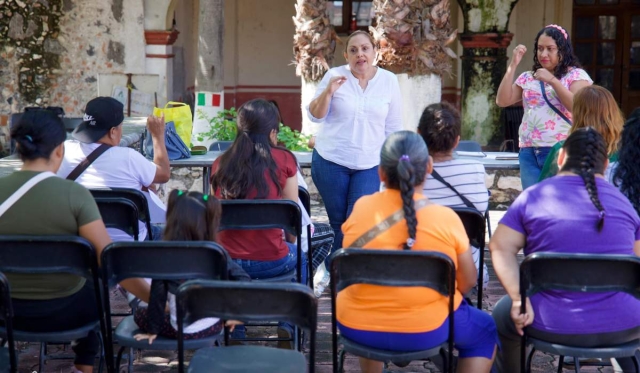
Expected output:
(576, 211)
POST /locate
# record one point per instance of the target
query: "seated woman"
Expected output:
(412, 319)
(452, 179)
(53, 302)
(576, 211)
(593, 106)
(255, 168)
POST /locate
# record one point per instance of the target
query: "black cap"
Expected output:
(100, 115)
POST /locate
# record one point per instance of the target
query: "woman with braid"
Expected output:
(412, 319)
(576, 211)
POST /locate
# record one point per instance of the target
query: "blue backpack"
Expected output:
(176, 149)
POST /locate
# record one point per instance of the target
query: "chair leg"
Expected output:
(341, 361)
(488, 224)
(119, 359)
(530, 359)
(43, 352)
(577, 366)
(560, 363)
(130, 364)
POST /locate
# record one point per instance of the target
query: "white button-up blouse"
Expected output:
(358, 121)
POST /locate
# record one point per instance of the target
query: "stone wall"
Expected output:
(51, 51)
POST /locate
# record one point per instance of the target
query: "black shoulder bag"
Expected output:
(464, 199)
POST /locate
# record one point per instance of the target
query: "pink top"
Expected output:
(541, 126)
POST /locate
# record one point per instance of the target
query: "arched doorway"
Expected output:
(606, 36)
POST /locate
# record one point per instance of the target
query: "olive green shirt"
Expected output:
(550, 168)
(54, 206)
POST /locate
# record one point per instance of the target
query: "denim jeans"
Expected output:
(266, 269)
(340, 187)
(531, 162)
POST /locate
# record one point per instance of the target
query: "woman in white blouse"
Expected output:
(358, 105)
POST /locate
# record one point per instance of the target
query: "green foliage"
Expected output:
(222, 127)
(292, 139)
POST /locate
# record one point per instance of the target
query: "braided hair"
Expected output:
(586, 155)
(403, 161)
(627, 173)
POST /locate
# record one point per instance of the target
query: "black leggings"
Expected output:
(54, 315)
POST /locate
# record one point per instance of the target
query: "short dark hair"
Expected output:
(37, 134)
(440, 127)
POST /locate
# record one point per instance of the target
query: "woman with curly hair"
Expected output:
(593, 106)
(626, 174)
(594, 218)
(547, 94)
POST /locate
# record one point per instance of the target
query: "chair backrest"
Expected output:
(249, 301)
(305, 198)
(6, 315)
(468, 146)
(261, 214)
(393, 268)
(119, 213)
(474, 224)
(220, 145)
(579, 273)
(134, 195)
(163, 260)
(48, 254)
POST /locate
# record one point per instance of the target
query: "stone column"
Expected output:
(209, 87)
(484, 62)
(159, 53)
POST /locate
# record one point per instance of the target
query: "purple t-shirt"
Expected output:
(557, 215)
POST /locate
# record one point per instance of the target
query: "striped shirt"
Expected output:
(466, 176)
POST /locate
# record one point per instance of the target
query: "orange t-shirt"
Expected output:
(400, 309)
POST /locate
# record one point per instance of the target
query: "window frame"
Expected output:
(347, 10)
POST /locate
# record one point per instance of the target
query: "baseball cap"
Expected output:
(100, 115)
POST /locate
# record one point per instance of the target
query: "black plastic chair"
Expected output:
(220, 146)
(8, 361)
(391, 268)
(162, 260)
(468, 146)
(53, 254)
(579, 273)
(255, 301)
(119, 213)
(305, 198)
(474, 225)
(256, 214)
(135, 196)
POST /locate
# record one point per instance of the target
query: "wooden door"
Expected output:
(606, 39)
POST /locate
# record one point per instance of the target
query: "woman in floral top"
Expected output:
(555, 68)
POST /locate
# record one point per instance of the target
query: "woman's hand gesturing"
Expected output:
(518, 52)
(335, 83)
(543, 75)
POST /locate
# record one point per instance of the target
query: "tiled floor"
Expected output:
(154, 361)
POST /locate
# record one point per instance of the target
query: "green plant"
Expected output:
(292, 139)
(222, 126)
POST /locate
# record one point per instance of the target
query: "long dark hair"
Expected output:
(627, 173)
(37, 134)
(403, 160)
(586, 155)
(566, 57)
(192, 216)
(242, 167)
(440, 127)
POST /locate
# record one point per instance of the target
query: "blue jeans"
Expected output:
(340, 187)
(531, 162)
(266, 269)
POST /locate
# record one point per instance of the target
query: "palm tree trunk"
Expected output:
(413, 37)
(313, 46)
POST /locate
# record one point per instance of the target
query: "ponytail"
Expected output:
(586, 155)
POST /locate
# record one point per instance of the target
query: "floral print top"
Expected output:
(541, 126)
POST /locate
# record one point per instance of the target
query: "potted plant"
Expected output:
(223, 129)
